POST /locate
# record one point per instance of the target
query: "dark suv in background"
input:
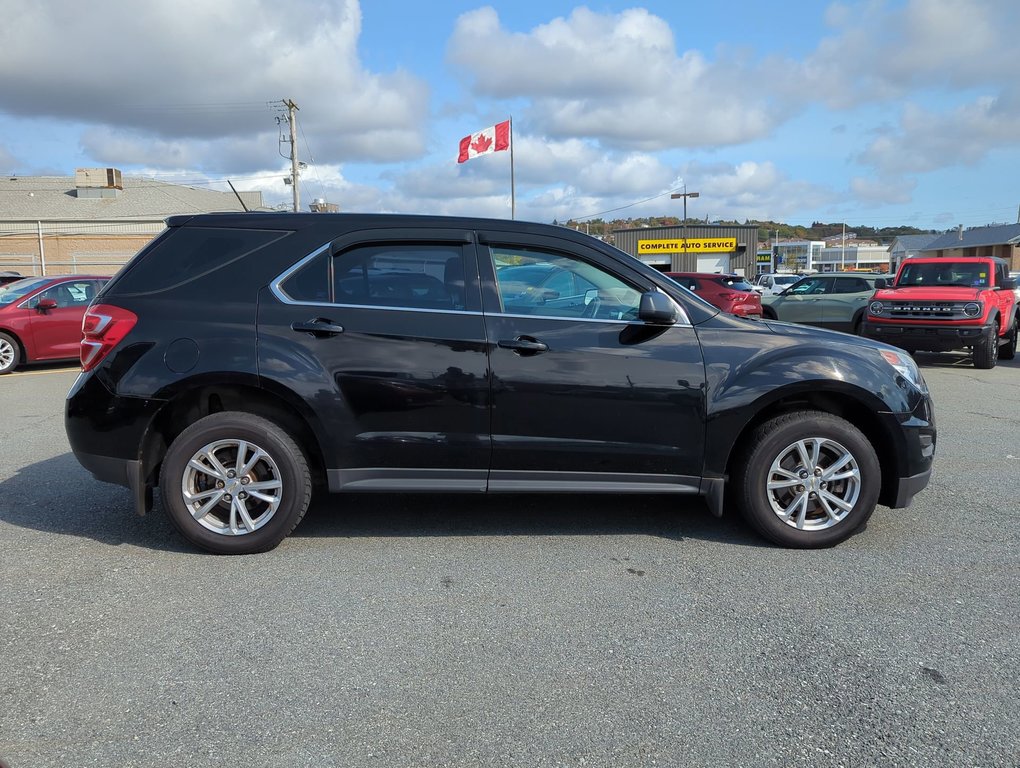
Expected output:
(241, 360)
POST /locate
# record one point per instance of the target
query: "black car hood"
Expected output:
(825, 335)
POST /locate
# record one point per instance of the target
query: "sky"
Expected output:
(875, 113)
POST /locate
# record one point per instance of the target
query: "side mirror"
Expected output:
(1009, 283)
(45, 305)
(656, 308)
(880, 284)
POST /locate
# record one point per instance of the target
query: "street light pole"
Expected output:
(683, 227)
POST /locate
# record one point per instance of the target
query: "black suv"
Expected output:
(241, 360)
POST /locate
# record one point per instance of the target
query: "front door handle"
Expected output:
(524, 345)
(318, 327)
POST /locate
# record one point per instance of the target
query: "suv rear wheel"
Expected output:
(1008, 350)
(807, 480)
(235, 483)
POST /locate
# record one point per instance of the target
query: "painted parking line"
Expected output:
(44, 373)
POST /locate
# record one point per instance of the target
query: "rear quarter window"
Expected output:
(189, 253)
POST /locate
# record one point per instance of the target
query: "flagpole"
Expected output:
(513, 201)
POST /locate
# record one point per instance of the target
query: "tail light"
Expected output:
(103, 327)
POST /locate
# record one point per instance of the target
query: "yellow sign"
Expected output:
(693, 245)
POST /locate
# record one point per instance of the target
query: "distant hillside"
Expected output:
(766, 229)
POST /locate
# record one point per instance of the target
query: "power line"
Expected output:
(622, 207)
(311, 160)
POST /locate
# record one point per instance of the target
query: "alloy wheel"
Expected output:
(232, 487)
(813, 484)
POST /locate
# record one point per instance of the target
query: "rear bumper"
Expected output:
(928, 338)
(127, 472)
(106, 434)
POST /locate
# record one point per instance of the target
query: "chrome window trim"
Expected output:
(277, 290)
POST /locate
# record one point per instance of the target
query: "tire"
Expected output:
(806, 507)
(10, 353)
(858, 324)
(212, 518)
(768, 314)
(986, 351)
(1008, 350)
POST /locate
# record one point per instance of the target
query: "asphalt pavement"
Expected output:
(528, 631)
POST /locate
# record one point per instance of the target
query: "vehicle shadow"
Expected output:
(453, 515)
(58, 496)
(46, 367)
(956, 360)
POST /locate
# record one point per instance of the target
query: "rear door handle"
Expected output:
(318, 327)
(524, 345)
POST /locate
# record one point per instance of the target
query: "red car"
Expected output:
(731, 293)
(40, 318)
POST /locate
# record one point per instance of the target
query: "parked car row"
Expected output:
(41, 317)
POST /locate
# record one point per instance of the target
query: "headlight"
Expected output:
(973, 309)
(905, 366)
(876, 308)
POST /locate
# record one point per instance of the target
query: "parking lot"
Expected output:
(513, 631)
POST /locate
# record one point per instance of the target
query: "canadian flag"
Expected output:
(495, 138)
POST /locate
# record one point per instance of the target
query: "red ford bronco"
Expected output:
(938, 304)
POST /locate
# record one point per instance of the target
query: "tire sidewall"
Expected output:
(16, 361)
(285, 453)
(986, 352)
(1008, 351)
(776, 438)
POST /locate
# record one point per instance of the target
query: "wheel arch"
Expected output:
(195, 403)
(17, 340)
(843, 404)
(858, 320)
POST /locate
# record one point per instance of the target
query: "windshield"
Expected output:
(11, 292)
(785, 279)
(945, 273)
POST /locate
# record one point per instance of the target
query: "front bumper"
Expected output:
(909, 487)
(929, 338)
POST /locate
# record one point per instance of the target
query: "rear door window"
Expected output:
(851, 285)
(400, 275)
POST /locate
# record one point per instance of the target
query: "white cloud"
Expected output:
(178, 72)
(616, 78)
(925, 141)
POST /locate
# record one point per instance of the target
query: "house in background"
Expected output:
(1000, 240)
(95, 220)
(906, 246)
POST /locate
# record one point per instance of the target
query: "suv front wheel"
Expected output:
(234, 483)
(807, 479)
(986, 351)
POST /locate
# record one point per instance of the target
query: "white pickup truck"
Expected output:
(770, 284)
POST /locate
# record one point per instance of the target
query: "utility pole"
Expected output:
(683, 226)
(292, 120)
